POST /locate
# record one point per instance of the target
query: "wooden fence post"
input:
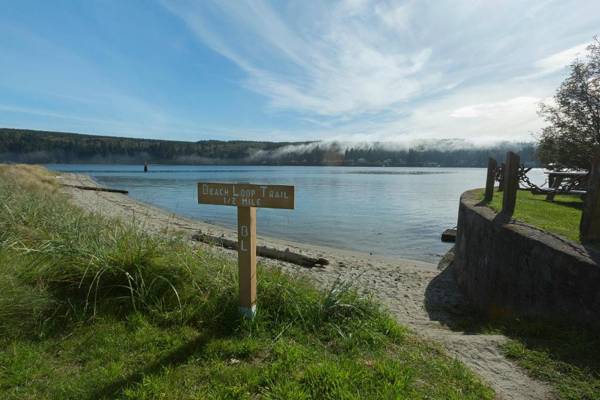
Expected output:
(511, 183)
(501, 178)
(491, 179)
(589, 228)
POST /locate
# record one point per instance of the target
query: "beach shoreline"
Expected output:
(190, 226)
(416, 293)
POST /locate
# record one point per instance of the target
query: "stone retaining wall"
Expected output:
(507, 268)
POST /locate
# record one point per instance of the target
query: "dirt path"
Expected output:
(416, 293)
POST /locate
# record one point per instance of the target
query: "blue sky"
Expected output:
(353, 70)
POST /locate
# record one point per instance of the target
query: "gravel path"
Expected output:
(416, 293)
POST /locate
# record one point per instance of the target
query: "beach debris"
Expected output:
(97, 189)
(449, 235)
(264, 251)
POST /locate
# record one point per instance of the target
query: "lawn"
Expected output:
(93, 308)
(561, 216)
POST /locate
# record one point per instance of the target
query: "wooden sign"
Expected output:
(246, 197)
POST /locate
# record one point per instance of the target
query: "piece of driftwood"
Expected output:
(449, 236)
(98, 189)
(263, 251)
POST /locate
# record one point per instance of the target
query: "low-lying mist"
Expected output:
(447, 152)
(426, 145)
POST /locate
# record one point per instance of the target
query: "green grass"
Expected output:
(92, 308)
(561, 216)
(565, 356)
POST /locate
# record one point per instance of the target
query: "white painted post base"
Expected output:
(249, 313)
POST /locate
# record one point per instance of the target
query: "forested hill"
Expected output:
(28, 146)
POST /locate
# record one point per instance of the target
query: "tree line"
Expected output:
(28, 146)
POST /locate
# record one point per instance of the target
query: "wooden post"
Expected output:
(247, 260)
(589, 228)
(511, 183)
(554, 182)
(491, 178)
(501, 179)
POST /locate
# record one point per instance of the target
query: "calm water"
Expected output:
(394, 212)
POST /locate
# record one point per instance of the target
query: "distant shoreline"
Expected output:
(150, 165)
(43, 147)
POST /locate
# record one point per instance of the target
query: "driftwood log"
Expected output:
(97, 189)
(449, 236)
(263, 251)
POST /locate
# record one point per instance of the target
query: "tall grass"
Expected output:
(78, 262)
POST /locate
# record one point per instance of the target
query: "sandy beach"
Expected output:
(417, 294)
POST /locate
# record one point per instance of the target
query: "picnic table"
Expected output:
(571, 182)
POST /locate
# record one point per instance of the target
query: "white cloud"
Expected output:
(499, 109)
(351, 7)
(335, 65)
(394, 16)
(560, 60)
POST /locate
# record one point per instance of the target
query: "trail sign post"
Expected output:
(246, 197)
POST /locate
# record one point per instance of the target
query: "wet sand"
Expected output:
(416, 293)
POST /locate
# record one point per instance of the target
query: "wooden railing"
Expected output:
(509, 175)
